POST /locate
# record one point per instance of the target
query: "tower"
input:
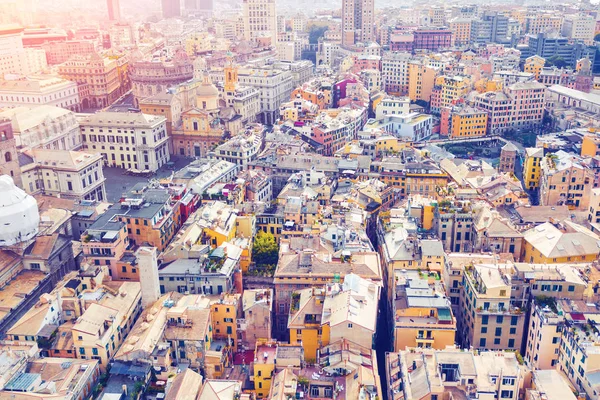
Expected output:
(148, 266)
(231, 74)
(114, 10)
(358, 19)
(260, 20)
(508, 156)
(9, 161)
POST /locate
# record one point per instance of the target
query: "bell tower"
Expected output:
(231, 74)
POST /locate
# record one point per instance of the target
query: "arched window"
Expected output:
(8, 157)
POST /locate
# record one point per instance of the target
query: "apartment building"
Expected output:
(449, 89)
(257, 321)
(465, 121)
(544, 336)
(242, 148)
(565, 180)
(296, 269)
(532, 167)
(454, 226)
(542, 22)
(426, 373)
(260, 22)
(560, 242)
(101, 329)
(488, 319)
(127, 140)
(395, 72)
(60, 52)
(16, 59)
(421, 312)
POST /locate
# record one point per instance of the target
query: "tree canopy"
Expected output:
(265, 250)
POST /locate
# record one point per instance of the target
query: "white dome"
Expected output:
(19, 215)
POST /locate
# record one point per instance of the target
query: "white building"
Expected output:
(241, 149)
(394, 72)
(392, 106)
(260, 20)
(40, 89)
(127, 140)
(408, 127)
(44, 127)
(579, 27)
(14, 58)
(67, 174)
(148, 266)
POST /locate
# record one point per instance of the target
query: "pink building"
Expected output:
(364, 62)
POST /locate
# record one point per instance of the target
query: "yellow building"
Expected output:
(532, 167)
(225, 312)
(488, 85)
(423, 317)
(468, 122)
(566, 242)
(305, 328)
(452, 88)
(534, 65)
(421, 79)
(461, 31)
(218, 221)
(264, 367)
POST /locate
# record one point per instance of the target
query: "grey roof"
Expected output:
(22, 382)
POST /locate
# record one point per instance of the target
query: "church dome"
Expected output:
(207, 90)
(19, 215)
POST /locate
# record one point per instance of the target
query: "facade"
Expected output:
(241, 149)
(358, 21)
(8, 153)
(394, 72)
(66, 174)
(579, 27)
(40, 89)
(16, 59)
(44, 127)
(467, 122)
(97, 79)
(508, 157)
(432, 39)
(149, 78)
(565, 180)
(127, 140)
(260, 22)
(60, 52)
(532, 167)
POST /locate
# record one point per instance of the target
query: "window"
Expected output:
(482, 342)
(498, 332)
(499, 319)
(511, 343)
(484, 329)
(508, 381)
(514, 320)
(513, 331)
(506, 394)
(497, 341)
(35, 266)
(349, 325)
(484, 319)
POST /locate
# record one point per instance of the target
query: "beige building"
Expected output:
(68, 174)
(44, 127)
(543, 341)
(260, 22)
(101, 329)
(127, 140)
(417, 374)
(97, 79)
(40, 89)
(565, 180)
(257, 308)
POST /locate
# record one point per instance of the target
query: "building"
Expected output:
(149, 78)
(488, 319)
(421, 312)
(44, 127)
(66, 174)
(171, 8)
(552, 45)
(395, 72)
(127, 140)
(100, 330)
(565, 180)
(8, 153)
(60, 52)
(425, 373)
(260, 22)
(432, 39)
(579, 27)
(40, 89)
(508, 157)
(466, 121)
(560, 242)
(543, 341)
(97, 79)
(16, 59)
(358, 21)
(532, 167)
(257, 322)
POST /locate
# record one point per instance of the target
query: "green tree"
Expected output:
(265, 250)
(597, 37)
(315, 33)
(556, 61)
